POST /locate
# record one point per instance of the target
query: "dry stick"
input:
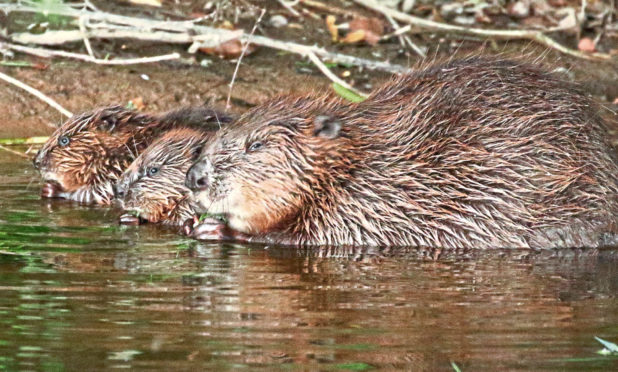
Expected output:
(329, 74)
(48, 53)
(406, 39)
(14, 152)
(290, 6)
(182, 32)
(36, 93)
(242, 54)
(537, 36)
(82, 29)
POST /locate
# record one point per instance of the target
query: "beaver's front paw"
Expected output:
(51, 190)
(211, 229)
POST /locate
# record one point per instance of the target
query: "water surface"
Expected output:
(79, 292)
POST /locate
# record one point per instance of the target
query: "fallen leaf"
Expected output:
(332, 28)
(586, 45)
(137, 103)
(229, 49)
(372, 30)
(354, 37)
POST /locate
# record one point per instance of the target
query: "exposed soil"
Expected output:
(166, 85)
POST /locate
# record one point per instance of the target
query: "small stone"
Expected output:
(278, 21)
(586, 45)
(520, 9)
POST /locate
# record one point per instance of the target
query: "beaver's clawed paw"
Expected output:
(210, 229)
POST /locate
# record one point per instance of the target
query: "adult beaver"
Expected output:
(473, 153)
(153, 186)
(83, 158)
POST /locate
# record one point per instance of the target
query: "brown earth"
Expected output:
(81, 86)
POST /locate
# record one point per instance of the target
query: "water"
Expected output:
(79, 292)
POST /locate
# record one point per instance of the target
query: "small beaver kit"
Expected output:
(153, 186)
(473, 153)
(83, 158)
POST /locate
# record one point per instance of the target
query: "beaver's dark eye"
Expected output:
(255, 146)
(152, 171)
(63, 141)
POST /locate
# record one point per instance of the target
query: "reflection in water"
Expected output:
(80, 292)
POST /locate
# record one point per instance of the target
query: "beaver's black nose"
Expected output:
(197, 177)
(119, 192)
(37, 160)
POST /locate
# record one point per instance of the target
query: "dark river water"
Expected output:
(78, 292)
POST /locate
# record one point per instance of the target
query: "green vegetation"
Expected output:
(347, 94)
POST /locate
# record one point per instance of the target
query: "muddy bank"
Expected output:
(200, 78)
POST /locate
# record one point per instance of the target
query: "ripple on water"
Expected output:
(78, 291)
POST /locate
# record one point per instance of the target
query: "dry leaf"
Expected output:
(332, 28)
(138, 103)
(372, 28)
(586, 45)
(229, 50)
(354, 37)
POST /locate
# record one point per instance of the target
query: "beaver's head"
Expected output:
(84, 157)
(259, 171)
(153, 187)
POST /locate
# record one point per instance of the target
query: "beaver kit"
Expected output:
(473, 153)
(153, 186)
(83, 158)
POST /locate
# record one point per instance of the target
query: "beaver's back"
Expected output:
(486, 151)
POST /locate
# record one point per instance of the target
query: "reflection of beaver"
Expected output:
(473, 153)
(153, 187)
(85, 156)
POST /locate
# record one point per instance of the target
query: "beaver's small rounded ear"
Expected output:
(326, 126)
(108, 123)
(196, 151)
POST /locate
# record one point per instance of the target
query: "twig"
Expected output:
(242, 54)
(14, 152)
(82, 29)
(48, 53)
(329, 74)
(36, 93)
(406, 39)
(329, 8)
(179, 32)
(533, 35)
(290, 6)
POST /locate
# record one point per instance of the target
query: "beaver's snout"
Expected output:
(38, 160)
(119, 191)
(197, 175)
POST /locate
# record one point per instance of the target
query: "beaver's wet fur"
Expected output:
(83, 158)
(472, 153)
(153, 186)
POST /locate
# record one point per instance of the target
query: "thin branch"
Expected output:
(176, 32)
(290, 6)
(14, 152)
(49, 53)
(329, 74)
(36, 93)
(242, 54)
(406, 39)
(533, 35)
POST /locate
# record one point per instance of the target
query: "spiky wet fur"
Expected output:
(163, 197)
(473, 153)
(104, 142)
